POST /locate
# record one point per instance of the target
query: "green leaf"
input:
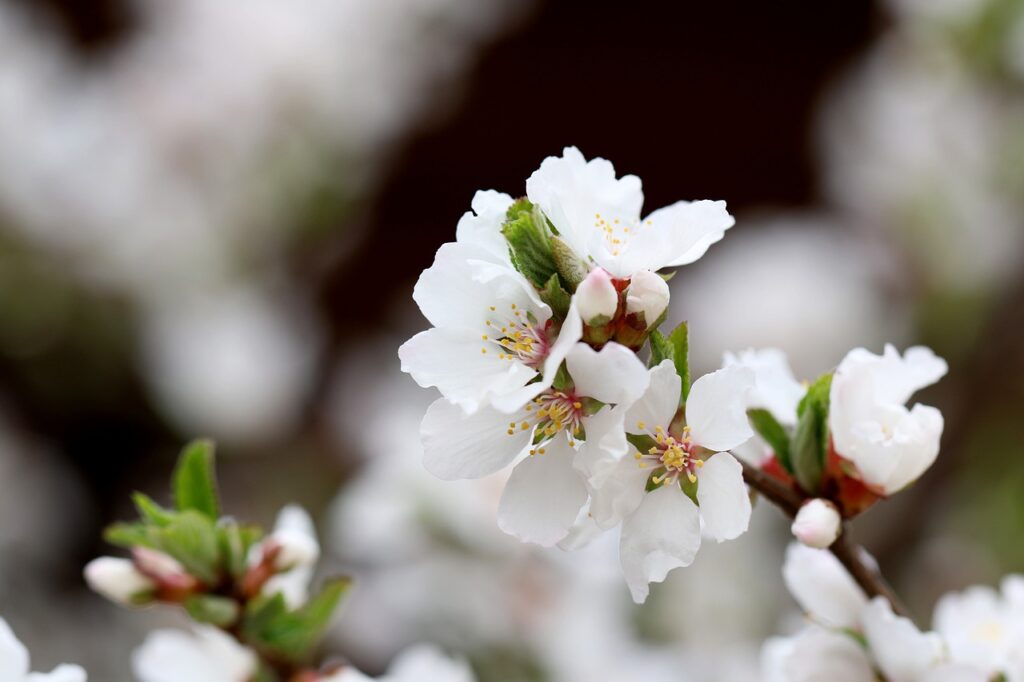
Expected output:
(235, 542)
(151, 512)
(810, 440)
(207, 608)
(130, 535)
(661, 349)
(529, 243)
(292, 634)
(774, 434)
(570, 268)
(555, 296)
(680, 342)
(194, 480)
(191, 538)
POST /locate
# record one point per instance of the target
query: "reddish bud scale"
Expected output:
(259, 573)
(626, 329)
(842, 485)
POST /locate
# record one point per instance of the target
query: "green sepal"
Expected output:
(529, 243)
(235, 542)
(690, 488)
(642, 442)
(151, 512)
(680, 342)
(191, 538)
(270, 626)
(651, 485)
(591, 406)
(768, 427)
(563, 380)
(556, 297)
(569, 266)
(213, 610)
(810, 440)
(195, 481)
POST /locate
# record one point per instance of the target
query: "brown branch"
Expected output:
(844, 549)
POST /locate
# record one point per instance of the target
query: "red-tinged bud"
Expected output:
(845, 488)
(173, 583)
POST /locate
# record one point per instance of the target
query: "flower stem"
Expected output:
(849, 554)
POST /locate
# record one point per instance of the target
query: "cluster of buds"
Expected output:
(622, 310)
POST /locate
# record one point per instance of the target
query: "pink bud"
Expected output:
(817, 524)
(596, 296)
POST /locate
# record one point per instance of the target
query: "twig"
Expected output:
(844, 549)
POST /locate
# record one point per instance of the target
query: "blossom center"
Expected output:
(617, 233)
(551, 413)
(675, 455)
(517, 336)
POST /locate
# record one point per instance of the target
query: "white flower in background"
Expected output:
(420, 664)
(802, 283)
(118, 580)
(838, 610)
(598, 215)
(889, 445)
(817, 523)
(14, 662)
(661, 529)
(204, 655)
(491, 335)
(984, 628)
(545, 492)
(294, 550)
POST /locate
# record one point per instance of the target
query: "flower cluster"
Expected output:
(542, 309)
(978, 636)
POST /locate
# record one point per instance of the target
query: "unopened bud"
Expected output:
(596, 298)
(294, 548)
(817, 524)
(173, 582)
(119, 581)
(648, 294)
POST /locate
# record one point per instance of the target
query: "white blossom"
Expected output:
(204, 655)
(598, 215)
(889, 445)
(661, 529)
(492, 337)
(984, 628)
(14, 662)
(817, 523)
(419, 664)
(296, 551)
(596, 296)
(545, 492)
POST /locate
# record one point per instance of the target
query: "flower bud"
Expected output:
(294, 548)
(648, 294)
(119, 581)
(817, 524)
(596, 298)
(173, 582)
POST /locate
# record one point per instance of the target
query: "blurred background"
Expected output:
(212, 216)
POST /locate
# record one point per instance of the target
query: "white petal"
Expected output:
(605, 432)
(723, 497)
(452, 361)
(482, 226)
(662, 534)
(658, 405)
(426, 664)
(612, 375)
(716, 408)
(206, 655)
(892, 447)
(543, 495)
(616, 487)
(457, 445)
(900, 650)
(13, 655)
(775, 387)
(816, 655)
(956, 672)
(62, 673)
(677, 235)
(822, 587)
(571, 191)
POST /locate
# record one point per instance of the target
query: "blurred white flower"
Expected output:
(14, 662)
(798, 283)
(234, 365)
(295, 551)
(204, 655)
(984, 628)
(871, 427)
(420, 664)
(118, 580)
